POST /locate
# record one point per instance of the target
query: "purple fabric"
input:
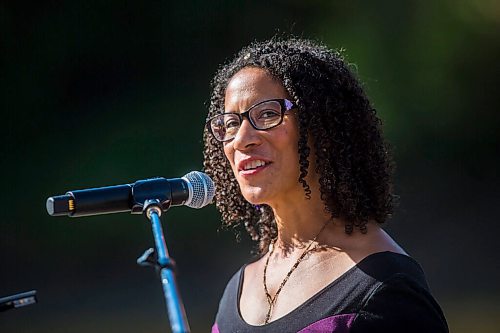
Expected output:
(335, 324)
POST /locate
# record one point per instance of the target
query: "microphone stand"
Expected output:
(161, 260)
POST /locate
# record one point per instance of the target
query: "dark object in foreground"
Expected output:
(18, 300)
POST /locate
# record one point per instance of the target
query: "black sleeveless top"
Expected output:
(385, 292)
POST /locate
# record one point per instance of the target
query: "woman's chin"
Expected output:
(254, 196)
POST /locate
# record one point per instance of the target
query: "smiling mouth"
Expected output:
(254, 165)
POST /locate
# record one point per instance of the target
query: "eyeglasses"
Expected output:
(262, 116)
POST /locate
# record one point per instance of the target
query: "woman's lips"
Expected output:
(251, 172)
(252, 166)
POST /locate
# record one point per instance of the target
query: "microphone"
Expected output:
(194, 189)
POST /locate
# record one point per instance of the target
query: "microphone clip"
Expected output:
(153, 191)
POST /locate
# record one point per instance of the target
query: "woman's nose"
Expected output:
(246, 137)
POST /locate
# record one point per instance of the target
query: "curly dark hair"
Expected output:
(352, 159)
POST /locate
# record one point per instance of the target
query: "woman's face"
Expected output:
(265, 163)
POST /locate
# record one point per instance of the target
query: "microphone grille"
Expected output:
(203, 189)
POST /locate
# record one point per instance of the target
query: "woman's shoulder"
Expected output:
(234, 281)
(401, 302)
(378, 256)
(386, 265)
(399, 299)
(233, 287)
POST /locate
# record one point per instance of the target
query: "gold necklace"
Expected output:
(272, 300)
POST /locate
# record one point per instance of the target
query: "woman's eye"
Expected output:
(232, 123)
(266, 114)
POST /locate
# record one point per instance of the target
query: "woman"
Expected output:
(296, 152)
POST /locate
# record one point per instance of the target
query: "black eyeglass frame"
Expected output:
(285, 104)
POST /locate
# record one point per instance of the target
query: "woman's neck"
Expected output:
(300, 221)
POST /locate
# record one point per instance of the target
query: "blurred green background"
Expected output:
(98, 93)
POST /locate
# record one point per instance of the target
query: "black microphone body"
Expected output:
(195, 190)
